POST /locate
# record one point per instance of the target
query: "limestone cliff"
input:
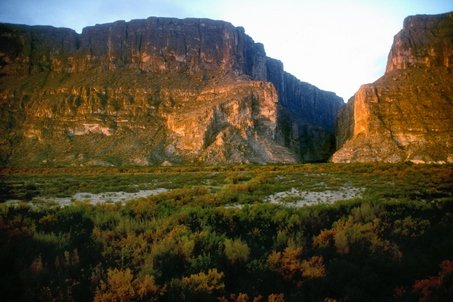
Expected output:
(152, 91)
(406, 115)
(304, 122)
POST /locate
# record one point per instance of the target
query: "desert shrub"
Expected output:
(122, 286)
(209, 282)
(236, 251)
(217, 241)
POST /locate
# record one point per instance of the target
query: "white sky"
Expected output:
(336, 45)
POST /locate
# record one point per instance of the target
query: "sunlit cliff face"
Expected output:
(406, 114)
(153, 91)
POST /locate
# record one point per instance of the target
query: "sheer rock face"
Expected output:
(406, 115)
(304, 122)
(425, 41)
(152, 91)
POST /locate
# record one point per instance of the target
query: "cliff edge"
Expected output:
(154, 91)
(406, 115)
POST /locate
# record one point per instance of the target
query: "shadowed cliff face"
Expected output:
(407, 114)
(150, 91)
(304, 122)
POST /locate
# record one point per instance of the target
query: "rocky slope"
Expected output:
(154, 91)
(406, 115)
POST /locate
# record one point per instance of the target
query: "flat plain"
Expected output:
(309, 232)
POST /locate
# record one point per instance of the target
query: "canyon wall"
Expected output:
(154, 91)
(406, 115)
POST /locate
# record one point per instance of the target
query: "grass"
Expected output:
(243, 184)
(396, 232)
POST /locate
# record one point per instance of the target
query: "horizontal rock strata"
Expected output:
(154, 91)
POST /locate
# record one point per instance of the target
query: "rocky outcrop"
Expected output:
(407, 114)
(153, 91)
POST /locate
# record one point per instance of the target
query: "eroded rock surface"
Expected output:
(406, 115)
(154, 91)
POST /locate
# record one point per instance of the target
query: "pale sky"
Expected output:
(336, 45)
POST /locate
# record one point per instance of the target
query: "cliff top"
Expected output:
(424, 41)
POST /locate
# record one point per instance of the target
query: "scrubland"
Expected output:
(313, 232)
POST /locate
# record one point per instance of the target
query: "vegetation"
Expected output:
(212, 237)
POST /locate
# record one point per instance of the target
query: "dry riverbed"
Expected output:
(105, 197)
(291, 198)
(299, 198)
